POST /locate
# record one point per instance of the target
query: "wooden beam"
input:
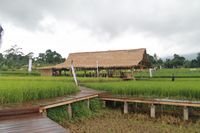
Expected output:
(161, 102)
(68, 102)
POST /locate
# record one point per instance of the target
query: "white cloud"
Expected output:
(163, 27)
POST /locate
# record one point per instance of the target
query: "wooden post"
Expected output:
(69, 110)
(104, 104)
(97, 68)
(114, 103)
(125, 108)
(153, 111)
(185, 113)
(74, 73)
(88, 103)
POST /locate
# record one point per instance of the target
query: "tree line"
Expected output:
(176, 62)
(14, 58)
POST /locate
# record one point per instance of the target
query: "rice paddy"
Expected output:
(23, 89)
(182, 89)
(178, 72)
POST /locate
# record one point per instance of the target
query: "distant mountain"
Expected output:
(187, 56)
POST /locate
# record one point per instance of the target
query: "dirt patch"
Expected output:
(113, 121)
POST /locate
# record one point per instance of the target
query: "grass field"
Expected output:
(19, 73)
(18, 89)
(22, 89)
(178, 72)
(184, 89)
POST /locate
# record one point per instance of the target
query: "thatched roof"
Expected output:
(106, 59)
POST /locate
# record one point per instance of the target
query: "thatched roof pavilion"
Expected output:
(108, 59)
(115, 59)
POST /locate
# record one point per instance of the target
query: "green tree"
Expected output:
(49, 58)
(14, 58)
(168, 63)
(178, 61)
(198, 59)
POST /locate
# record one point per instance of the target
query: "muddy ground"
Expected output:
(114, 121)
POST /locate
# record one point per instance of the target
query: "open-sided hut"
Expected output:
(103, 60)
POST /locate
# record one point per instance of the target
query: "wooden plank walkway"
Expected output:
(183, 103)
(34, 123)
(26, 117)
(84, 94)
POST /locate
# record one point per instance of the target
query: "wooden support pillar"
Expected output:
(88, 103)
(185, 113)
(60, 72)
(153, 111)
(114, 103)
(69, 110)
(104, 104)
(70, 73)
(125, 108)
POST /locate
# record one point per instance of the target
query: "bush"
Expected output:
(80, 110)
(95, 105)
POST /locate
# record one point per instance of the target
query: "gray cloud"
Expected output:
(173, 19)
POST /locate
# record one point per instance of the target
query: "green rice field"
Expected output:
(23, 89)
(183, 89)
(178, 72)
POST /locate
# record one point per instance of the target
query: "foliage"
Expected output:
(49, 57)
(58, 114)
(95, 105)
(18, 90)
(80, 110)
(154, 60)
(175, 62)
(180, 89)
(14, 58)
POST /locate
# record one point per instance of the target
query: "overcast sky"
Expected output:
(164, 27)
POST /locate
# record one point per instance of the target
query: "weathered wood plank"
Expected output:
(30, 124)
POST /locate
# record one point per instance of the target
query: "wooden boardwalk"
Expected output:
(152, 102)
(34, 123)
(27, 117)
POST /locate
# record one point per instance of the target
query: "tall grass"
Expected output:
(18, 90)
(189, 90)
(19, 73)
(178, 72)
